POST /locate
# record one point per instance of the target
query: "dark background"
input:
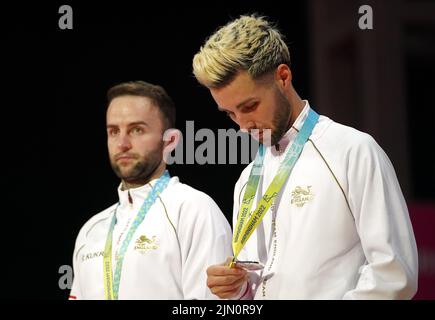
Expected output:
(56, 172)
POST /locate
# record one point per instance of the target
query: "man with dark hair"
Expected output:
(158, 240)
(155, 93)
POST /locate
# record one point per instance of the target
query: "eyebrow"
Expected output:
(131, 124)
(239, 105)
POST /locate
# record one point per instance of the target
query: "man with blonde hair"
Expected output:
(319, 214)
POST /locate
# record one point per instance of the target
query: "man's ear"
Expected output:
(171, 137)
(283, 77)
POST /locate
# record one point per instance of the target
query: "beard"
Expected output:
(280, 119)
(141, 170)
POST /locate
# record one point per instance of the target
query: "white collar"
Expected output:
(291, 133)
(136, 195)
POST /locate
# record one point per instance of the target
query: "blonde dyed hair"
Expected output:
(248, 43)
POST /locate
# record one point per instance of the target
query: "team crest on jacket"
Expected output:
(301, 195)
(144, 244)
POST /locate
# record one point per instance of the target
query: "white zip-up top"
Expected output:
(182, 234)
(339, 228)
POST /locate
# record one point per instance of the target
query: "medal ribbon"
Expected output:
(244, 229)
(111, 281)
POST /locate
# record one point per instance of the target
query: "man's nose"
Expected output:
(245, 123)
(124, 142)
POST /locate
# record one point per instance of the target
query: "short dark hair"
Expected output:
(155, 93)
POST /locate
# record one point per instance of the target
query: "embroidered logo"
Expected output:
(143, 244)
(301, 196)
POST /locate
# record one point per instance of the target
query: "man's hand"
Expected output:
(226, 282)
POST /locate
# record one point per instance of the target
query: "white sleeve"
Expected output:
(75, 293)
(383, 224)
(205, 240)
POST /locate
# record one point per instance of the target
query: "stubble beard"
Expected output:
(141, 171)
(281, 118)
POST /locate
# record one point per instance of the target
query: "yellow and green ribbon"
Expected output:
(244, 229)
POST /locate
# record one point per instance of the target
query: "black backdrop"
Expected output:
(56, 171)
